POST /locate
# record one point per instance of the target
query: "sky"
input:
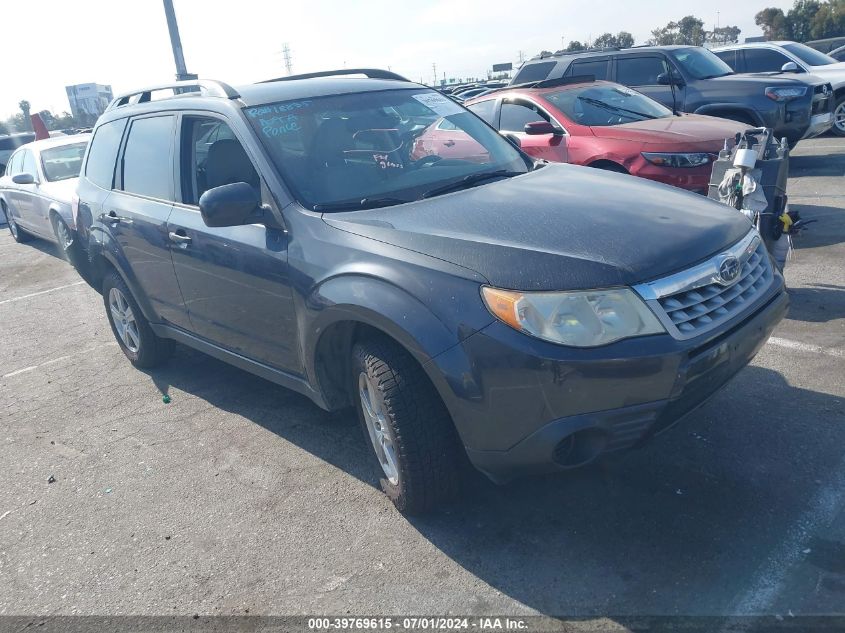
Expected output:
(125, 43)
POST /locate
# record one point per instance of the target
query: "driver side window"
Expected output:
(211, 156)
(516, 114)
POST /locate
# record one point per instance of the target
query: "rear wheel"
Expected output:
(408, 427)
(18, 233)
(839, 117)
(131, 329)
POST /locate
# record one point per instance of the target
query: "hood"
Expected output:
(834, 73)
(562, 227)
(691, 129)
(60, 190)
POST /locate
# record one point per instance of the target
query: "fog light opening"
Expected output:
(580, 448)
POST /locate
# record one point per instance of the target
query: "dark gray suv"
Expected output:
(692, 79)
(370, 243)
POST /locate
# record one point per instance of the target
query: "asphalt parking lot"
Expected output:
(241, 497)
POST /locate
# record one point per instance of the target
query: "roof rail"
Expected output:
(562, 53)
(211, 87)
(372, 73)
(550, 83)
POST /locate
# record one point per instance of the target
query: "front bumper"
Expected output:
(521, 413)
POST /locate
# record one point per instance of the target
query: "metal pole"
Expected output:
(176, 42)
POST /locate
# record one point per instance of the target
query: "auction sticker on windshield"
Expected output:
(440, 104)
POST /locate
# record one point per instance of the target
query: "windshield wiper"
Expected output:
(363, 203)
(470, 180)
(613, 108)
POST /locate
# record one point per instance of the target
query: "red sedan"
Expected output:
(609, 126)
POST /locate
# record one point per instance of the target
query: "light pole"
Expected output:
(182, 73)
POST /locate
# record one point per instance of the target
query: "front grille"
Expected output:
(697, 310)
(698, 300)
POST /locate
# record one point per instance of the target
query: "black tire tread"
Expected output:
(429, 452)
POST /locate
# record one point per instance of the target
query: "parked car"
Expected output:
(9, 143)
(692, 79)
(791, 57)
(609, 126)
(838, 54)
(524, 315)
(37, 188)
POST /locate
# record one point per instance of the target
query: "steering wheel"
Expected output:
(425, 161)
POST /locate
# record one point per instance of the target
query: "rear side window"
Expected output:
(639, 71)
(99, 168)
(597, 68)
(484, 109)
(148, 158)
(764, 60)
(729, 57)
(534, 72)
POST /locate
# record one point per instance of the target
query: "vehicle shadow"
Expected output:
(678, 526)
(817, 304)
(818, 165)
(827, 229)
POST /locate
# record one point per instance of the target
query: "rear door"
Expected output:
(641, 72)
(516, 114)
(235, 280)
(137, 210)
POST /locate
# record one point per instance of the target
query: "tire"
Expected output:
(130, 328)
(839, 117)
(17, 232)
(416, 429)
(66, 240)
(608, 166)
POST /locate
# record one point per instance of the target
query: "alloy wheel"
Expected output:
(839, 117)
(63, 233)
(375, 418)
(124, 320)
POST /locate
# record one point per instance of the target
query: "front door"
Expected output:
(234, 279)
(641, 73)
(516, 113)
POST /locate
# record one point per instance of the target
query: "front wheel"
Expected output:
(66, 239)
(839, 117)
(131, 329)
(17, 232)
(408, 427)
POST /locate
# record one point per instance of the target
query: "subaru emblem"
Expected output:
(729, 270)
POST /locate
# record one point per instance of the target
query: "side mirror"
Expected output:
(790, 67)
(23, 179)
(536, 128)
(513, 138)
(229, 205)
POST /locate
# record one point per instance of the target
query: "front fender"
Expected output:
(712, 109)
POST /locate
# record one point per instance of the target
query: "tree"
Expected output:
(800, 19)
(624, 39)
(24, 106)
(829, 20)
(773, 23)
(689, 31)
(575, 46)
(723, 35)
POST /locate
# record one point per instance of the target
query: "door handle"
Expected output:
(448, 143)
(179, 237)
(114, 218)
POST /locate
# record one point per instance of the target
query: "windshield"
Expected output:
(384, 147)
(61, 163)
(701, 63)
(809, 55)
(608, 104)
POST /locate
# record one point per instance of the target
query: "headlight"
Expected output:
(785, 94)
(671, 159)
(580, 319)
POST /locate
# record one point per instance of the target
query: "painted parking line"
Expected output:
(53, 361)
(806, 347)
(42, 292)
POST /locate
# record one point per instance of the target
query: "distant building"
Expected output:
(88, 101)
